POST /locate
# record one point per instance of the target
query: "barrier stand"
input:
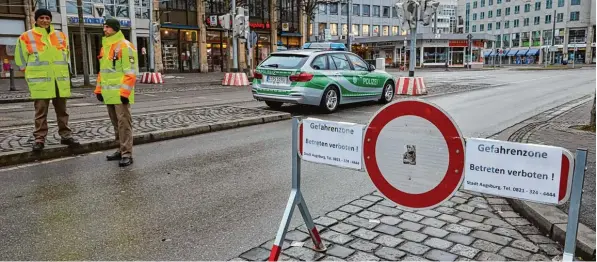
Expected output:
(295, 199)
(575, 200)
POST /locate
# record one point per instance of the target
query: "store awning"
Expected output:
(522, 52)
(290, 34)
(178, 26)
(512, 52)
(532, 52)
(487, 53)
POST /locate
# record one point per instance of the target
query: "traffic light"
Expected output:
(224, 21)
(241, 22)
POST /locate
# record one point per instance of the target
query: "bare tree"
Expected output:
(310, 8)
(83, 43)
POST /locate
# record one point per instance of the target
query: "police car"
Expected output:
(318, 77)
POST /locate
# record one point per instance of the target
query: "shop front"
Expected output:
(180, 48)
(262, 49)
(10, 31)
(460, 54)
(217, 50)
(290, 40)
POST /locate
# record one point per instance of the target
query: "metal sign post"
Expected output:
(575, 200)
(295, 199)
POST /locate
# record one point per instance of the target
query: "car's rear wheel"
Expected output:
(387, 93)
(274, 104)
(330, 99)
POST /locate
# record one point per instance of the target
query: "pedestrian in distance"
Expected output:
(43, 54)
(115, 87)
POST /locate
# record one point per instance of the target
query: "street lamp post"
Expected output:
(349, 25)
(151, 40)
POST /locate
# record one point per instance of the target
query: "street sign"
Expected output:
(414, 153)
(469, 36)
(333, 143)
(530, 172)
(254, 38)
(328, 34)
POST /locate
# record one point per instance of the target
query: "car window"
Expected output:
(331, 64)
(320, 63)
(358, 63)
(340, 61)
(284, 61)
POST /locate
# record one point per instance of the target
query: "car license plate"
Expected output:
(277, 80)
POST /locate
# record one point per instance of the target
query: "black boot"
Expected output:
(114, 156)
(71, 141)
(38, 146)
(125, 161)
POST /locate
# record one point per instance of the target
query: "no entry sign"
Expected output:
(414, 154)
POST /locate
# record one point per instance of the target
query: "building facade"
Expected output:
(13, 19)
(523, 29)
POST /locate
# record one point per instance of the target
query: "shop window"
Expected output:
(344, 29)
(365, 30)
(376, 30)
(386, 30)
(334, 29)
(395, 30)
(355, 30)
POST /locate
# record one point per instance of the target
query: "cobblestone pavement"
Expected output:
(558, 133)
(470, 226)
(19, 138)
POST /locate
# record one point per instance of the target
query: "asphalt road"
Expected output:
(213, 196)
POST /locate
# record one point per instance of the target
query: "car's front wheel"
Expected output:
(274, 104)
(330, 100)
(387, 93)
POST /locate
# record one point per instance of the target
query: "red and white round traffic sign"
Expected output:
(414, 153)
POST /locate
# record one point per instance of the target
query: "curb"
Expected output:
(549, 219)
(25, 156)
(22, 100)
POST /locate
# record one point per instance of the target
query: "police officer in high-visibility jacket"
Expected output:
(43, 54)
(115, 87)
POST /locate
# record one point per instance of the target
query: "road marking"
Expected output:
(82, 104)
(95, 153)
(57, 160)
(10, 107)
(149, 95)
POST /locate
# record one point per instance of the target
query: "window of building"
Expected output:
(334, 29)
(547, 37)
(344, 29)
(560, 17)
(482, 3)
(577, 36)
(474, 28)
(386, 11)
(574, 16)
(474, 17)
(385, 30)
(498, 12)
(561, 3)
(499, 2)
(537, 6)
(366, 10)
(508, 11)
(516, 23)
(475, 4)
(527, 8)
(481, 27)
(355, 30)
(376, 11)
(489, 26)
(323, 9)
(490, 2)
(394, 12)
(395, 30)
(526, 22)
(376, 30)
(574, 2)
(498, 25)
(548, 19)
(356, 9)
(482, 15)
(537, 20)
(507, 24)
(334, 9)
(548, 4)
(517, 9)
(365, 30)
(490, 14)
(498, 41)
(344, 9)
(515, 39)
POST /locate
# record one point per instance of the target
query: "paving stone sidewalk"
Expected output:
(470, 226)
(558, 132)
(21, 138)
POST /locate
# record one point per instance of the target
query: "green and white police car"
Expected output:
(321, 78)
